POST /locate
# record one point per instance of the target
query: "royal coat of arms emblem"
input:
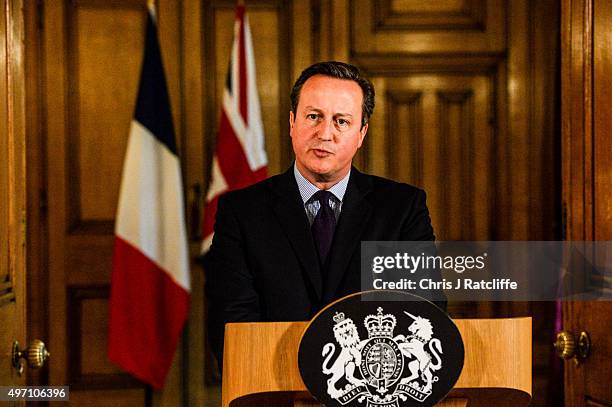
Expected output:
(380, 349)
(382, 370)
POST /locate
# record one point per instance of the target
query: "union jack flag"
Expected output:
(240, 157)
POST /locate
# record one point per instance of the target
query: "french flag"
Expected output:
(240, 157)
(150, 279)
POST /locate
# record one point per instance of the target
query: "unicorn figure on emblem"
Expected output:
(415, 346)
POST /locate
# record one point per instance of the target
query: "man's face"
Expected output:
(326, 128)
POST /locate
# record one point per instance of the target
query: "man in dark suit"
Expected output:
(287, 246)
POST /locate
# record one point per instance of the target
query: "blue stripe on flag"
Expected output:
(153, 104)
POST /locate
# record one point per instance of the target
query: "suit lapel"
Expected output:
(289, 209)
(356, 210)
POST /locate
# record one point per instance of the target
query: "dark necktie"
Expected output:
(323, 225)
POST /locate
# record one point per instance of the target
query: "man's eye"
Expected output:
(343, 122)
(312, 116)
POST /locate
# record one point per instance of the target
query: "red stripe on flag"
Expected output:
(208, 224)
(147, 312)
(242, 69)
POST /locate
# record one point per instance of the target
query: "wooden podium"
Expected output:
(261, 367)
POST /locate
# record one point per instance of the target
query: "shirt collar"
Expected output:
(307, 189)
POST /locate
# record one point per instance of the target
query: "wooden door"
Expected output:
(587, 180)
(12, 190)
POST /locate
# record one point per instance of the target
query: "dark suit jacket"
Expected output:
(263, 264)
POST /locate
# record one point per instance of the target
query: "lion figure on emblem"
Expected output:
(414, 346)
(349, 358)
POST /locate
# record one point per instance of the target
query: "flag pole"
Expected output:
(152, 9)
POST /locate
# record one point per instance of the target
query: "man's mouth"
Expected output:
(319, 152)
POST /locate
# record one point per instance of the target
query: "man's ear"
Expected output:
(362, 134)
(291, 123)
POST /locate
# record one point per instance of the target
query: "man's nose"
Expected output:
(326, 130)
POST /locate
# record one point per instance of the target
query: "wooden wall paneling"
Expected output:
(449, 15)
(108, 398)
(546, 121)
(194, 120)
(286, 48)
(543, 171)
(434, 131)
(602, 184)
(169, 22)
(404, 121)
(585, 33)
(479, 178)
(520, 102)
(98, 95)
(322, 30)
(372, 32)
(576, 114)
(482, 75)
(305, 38)
(91, 56)
(5, 276)
(456, 137)
(37, 295)
(530, 163)
(16, 150)
(87, 314)
(105, 68)
(372, 155)
(54, 82)
(17, 164)
(169, 32)
(500, 224)
(341, 29)
(331, 30)
(12, 187)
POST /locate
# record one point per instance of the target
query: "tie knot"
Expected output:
(323, 197)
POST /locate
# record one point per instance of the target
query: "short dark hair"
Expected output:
(339, 70)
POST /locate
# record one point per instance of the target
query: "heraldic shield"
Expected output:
(380, 349)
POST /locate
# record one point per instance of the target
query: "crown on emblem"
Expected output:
(380, 325)
(342, 322)
(339, 317)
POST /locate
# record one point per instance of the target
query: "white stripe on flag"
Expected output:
(151, 212)
(255, 147)
(251, 139)
(206, 243)
(218, 184)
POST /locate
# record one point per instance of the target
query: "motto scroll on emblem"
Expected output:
(383, 369)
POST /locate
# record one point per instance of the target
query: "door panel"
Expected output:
(587, 186)
(387, 26)
(12, 189)
(438, 124)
